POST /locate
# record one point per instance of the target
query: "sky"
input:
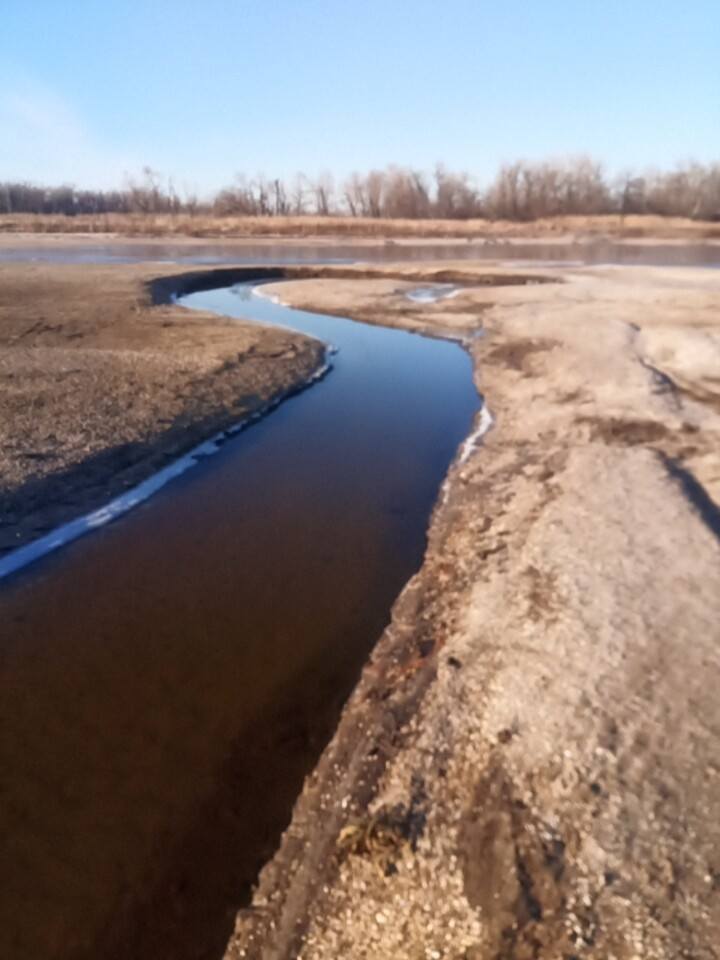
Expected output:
(91, 91)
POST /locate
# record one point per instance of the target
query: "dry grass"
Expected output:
(184, 225)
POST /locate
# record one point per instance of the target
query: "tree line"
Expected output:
(520, 191)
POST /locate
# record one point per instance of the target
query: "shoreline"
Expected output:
(252, 529)
(15, 560)
(124, 458)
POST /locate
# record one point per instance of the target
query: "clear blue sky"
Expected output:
(91, 89)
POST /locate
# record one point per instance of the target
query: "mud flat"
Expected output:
(530, 765)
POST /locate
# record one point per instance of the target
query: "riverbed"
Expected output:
(170, 679)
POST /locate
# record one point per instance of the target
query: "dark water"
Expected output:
(168, 681)
(247, 252)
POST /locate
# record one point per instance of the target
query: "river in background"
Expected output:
(62, 249)
(168, 680)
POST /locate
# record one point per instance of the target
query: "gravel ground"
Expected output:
(99, 388)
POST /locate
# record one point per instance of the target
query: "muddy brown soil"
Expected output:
(529, 766)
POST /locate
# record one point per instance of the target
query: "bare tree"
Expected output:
(355, 196)
(280, 200)
(145, 194)
(298, 194)
(324, 191)
(455, 195)
(519, 191)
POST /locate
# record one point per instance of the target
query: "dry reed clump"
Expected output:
(231, 227)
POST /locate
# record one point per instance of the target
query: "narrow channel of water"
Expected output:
(168, 680)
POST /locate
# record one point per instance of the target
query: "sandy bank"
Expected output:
(529, 766)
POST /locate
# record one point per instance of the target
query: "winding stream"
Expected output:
(168, 681)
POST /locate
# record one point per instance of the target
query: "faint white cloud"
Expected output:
(45, 140)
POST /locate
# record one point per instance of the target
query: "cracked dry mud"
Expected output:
(529, 767)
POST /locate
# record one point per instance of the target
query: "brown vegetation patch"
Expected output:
(625, 432)
(308, 226)
(385, 836)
